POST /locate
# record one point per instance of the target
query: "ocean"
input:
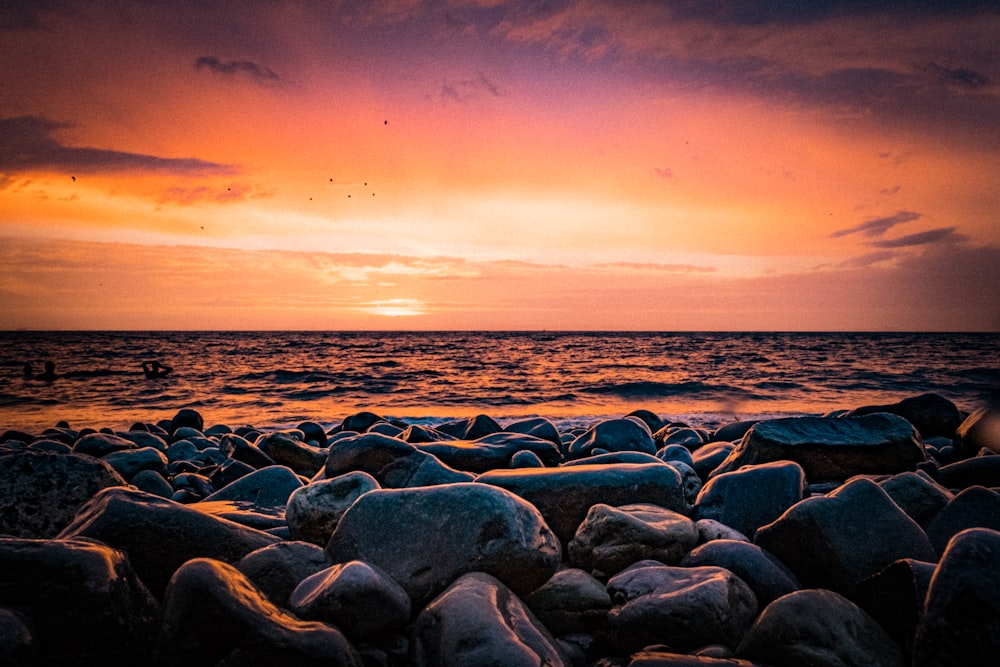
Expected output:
(279, 379)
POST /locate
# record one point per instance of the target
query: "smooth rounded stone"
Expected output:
(683, 436)
(17, 644)
(733, 431)
(652, 420)
(818, 627)
(838, 540)
(160, 535)
(313, 432)
(360, 422)
(51, 446)
(977, 471)
(192, 435)
(228, 472)
(358, 598)
(959, 625)
(710, 530)
(526, 459)
(186, 417)
(286, 448)
(654, 657)
(752, 496)
(472, 428)
(981, 430)
(975, 507)
(152, 482)
(101, 444)
(244, 512)
(690, 482)
(931, 414)
(766, 576)
(565, 495)
(130, 462)
(895, 599)
(831, 448)
(238, 448)
(268, 486)
(43, 491)
(198, 486)
(491, 451)
(394, 463)
(917, 494)
(278, 568)
(708, 458)
(182, 450)
(571, 602)
(314, 510)
(538, 427)
(614, 435)
(680, 453)
(146, 439)
(682, 607)
(426, 537)
(218, 429)
(385, 428)
(417, 433)
(213, 614)
(479, 621)
(613, 457)
(81, 599)
(611, 538)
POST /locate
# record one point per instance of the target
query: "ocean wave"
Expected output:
(652, 389)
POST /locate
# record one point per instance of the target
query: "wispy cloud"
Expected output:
(877, 226)
(256, 72)
(664, 172)
(28, 143)
(939, 235)
(961, 77)
(465, 90)
(231, 194)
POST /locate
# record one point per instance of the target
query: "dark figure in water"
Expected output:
(154, 369)
(50, 372)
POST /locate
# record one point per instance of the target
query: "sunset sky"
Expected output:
(482, 164)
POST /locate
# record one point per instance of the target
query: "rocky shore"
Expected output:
(866, 537)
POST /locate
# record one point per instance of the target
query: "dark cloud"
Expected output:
(961, 77)
(939, 235)
(234, 67)
(467, 89)
(27, 142)
(868, 259)
(797, 12)
(26, 14)
(878, 226)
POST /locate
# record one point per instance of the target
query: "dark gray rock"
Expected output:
(818, 627)
(160, 535)
(710, 530)
(752, 496)
(479, 621)
(181, 450)
(238, 448)
(287, 448)
(278, 568)
(977, 471)
(417, 433)
(270, 486)
(43, 491)
(526, 459)
(472, 428)
(146, 439)
(83, 601)
(538, 427)
(228, 472)
(394, 463)
(128, 463)
(245, 513)
(682, 607)
(675, 453)
(832, 448)
(895, 598)
(613, 457)
(572, 601)
(360, 421)
(215, 615)
(491, 451)
(931, 414)
(189, 418)
(614, 435)
(565, 495)
(358, 598)
(17, 644)
(662, 657)
(733, 431)
(425, 538)
(313, 433)
(611, 538)
(314, 510)
(102, 444)
(917, 494)
(981, 430)
(975, 507)
(838, 540)
(766, 576)
(152, 482)
(708, 458)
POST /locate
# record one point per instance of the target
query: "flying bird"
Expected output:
(74, 178)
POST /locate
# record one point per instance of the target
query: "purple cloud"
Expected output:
(939, 235)
(878, 226)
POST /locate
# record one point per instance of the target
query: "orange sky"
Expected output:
(483, 164)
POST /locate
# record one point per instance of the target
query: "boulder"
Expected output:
(818, 627)
(975, 507)
(708, 458)
(81, 600)
(917, 494)
(152, 482)
(565, 495)
(214, 615)
(129, 462)
(752, 496)
(538, 427)
(479, 621)
(614, 435)
(571, 602)
(358, 598)
(611, 538)
(314, 510)
(394, 463)
(977, 471)
(710, 530)
(491, 451)
(682, 607)
(830, 447)
(472, 428)
(245, 513)
(287, 448)
(838, 540)
(426, 537)
(662, 657)
(766, 576)
(278, 568)
(690, 482)
(416, 433)
(144, 439)
(981, 430)
(189, 418)
(895, 598)
(961, 612)
(313, 433)
(613, 457)
(931, 414)
(267, 487)
(160, 535)
(239, 449)
(43, 491)
(102, 444)
(675, 453)
(526, 459)
(360, 421)
(17, 644)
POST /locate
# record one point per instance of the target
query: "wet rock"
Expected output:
(895, 598)
(831, 448)
(818, 627)
(572, 601)
(656, 657)
(977, 471)
(102, 444)
(160, 535)
(766, 576)
(614, 435)
(128, 463)
(525, 459)
(975, 507)
(313, 433)
(81, 601)
(43, 491)
(472, 428)
(491, 451)
(565, 495)
(394, 463)
(228, 472)
(611, 538)
(931, 414)
(710, 530)
(733, 431)
(360, 421)
(479, 621)
(356, 597)
(613, 457)
(752, 496)
(708, 458)
(538, 427)
(152, 482)
(425, 538)
(278, 568)
(981, 430)
(214, 615)
(690, 482)
(245, 513)
(146, 439)
(675, 453)
(838, 540)
(270, 486)
(287, 448)
(187, 418)
(684, 608)
(238, 448)
(417, 433)
(314, 510)
(17, 644)
(917, 494)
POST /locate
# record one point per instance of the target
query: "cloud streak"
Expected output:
(256, 72)
(877, 226)
(939, 235)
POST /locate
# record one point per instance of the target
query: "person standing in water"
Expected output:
(154, 369)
